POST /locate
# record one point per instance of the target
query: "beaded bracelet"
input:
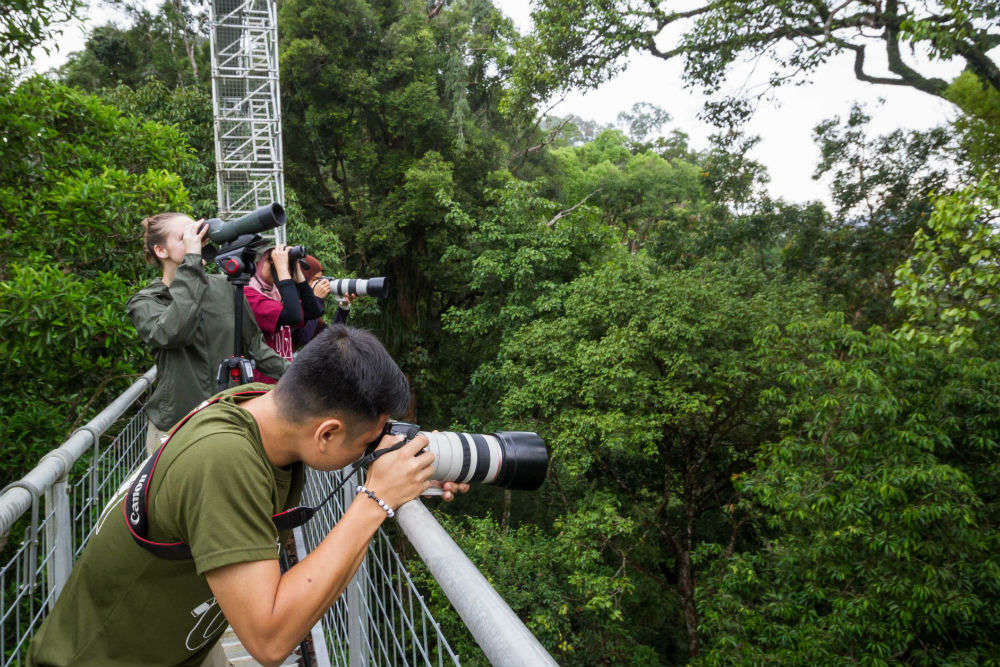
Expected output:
(381, 503)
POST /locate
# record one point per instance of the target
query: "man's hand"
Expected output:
(450, 489)
(402, 475)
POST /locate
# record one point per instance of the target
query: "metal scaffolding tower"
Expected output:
(246, 105)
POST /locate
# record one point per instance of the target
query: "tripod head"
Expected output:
(238, 258)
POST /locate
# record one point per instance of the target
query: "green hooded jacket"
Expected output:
(188, 326)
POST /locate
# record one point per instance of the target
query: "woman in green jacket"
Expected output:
(186, 317)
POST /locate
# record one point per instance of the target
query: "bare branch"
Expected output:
(829, 18)
(572, 208)
(859, 67)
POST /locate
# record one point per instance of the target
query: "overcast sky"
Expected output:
(785, 125)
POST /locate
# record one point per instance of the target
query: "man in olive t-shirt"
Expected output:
(215, 489)
(217, 483)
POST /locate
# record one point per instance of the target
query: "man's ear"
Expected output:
(329, 433)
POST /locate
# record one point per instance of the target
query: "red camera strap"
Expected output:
(136, 504)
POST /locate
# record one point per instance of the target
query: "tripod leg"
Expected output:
(222, 376)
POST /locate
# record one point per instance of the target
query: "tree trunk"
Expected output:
(685, 576)
(189, 47)
(685, 584)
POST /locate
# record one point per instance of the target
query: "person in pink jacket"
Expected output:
(281, 299)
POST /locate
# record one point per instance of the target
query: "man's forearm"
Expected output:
(317, 581)
(272, 620)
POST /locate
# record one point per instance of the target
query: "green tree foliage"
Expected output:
(643, 120)
(737, 478)
(188, 109)
(540, 576)
(586, 42)
(881, 187)
(645, 383)
(169, 45)
(27, 24)
(638, 194)
(390, 115)
(879, 547)
(370, 88)
(949, 289)
(526, 245)
(157, 69)
(978, 128)
(76, 177)
(571, 130)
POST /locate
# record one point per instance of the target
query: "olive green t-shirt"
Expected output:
(214, 489)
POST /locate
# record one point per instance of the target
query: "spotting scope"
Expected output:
(255, 222)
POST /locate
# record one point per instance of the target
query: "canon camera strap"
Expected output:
(136, 505)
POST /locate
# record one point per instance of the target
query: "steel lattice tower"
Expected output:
(246, 105)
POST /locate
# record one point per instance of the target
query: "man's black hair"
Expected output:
(343, 370)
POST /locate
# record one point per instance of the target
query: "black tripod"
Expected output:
(237, 261)
(237, 367)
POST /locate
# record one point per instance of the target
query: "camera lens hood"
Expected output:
(525, 460)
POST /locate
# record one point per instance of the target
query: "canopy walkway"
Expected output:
(381, 619)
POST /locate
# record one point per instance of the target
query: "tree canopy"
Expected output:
(772, 424)
(26, 25)
(583, 43)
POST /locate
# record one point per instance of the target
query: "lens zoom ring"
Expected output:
(466, 456)
(482, 458)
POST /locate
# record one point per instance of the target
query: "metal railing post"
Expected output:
(357, 615)
(31, 536)
(356, 597)
(35, 574)
(316, 634)
(58, 535)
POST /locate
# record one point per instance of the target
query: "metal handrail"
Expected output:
(16, 500)
(382, 616)
(496, 628)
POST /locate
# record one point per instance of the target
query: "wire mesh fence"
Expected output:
(41, 545)
(382, 618)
